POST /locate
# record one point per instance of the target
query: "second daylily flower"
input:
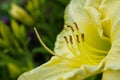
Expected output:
(89, 43)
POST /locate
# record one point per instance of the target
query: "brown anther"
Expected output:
(71, 40)
(78, 38)
(76, 26)
(70, 28)
(82, 36)
(66, 39)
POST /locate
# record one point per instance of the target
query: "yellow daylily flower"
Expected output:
(88, 45)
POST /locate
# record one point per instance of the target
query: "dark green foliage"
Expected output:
(20, 49)
(95, 77)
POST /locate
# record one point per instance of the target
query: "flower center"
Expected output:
(83, 53)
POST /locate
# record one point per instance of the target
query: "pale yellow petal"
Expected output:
(52, 70)
(110, 10)
(113, 57)
(57, 69)
(111, 75)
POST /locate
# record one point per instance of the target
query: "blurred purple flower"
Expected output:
(6, 20)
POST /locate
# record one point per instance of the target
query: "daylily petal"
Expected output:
(113, 57)
(52, 70)
(57, 69)
(111, 75)
(110, 10)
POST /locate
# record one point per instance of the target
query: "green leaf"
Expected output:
(29, 6)
(3, 43)
(15, 28)
(6, 33)
(22, 32)
(35, 4)
(4, 30)
(13, 69)
(19, 31)
(9, 39)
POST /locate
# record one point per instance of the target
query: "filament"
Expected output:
(38, 36)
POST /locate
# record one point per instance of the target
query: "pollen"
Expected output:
(70, 38)
(66, 39)
(76, 26)
(70, 28)
(78, 40)
(82, 36)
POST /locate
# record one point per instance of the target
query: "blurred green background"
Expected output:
(20, 49)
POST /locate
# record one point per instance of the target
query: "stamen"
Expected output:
(82, 36)
(72, 46)
(70, 28)
(76, 26)
(71, 40)
(78, 38)
(73, 37)
(50, 51)
(66, 39)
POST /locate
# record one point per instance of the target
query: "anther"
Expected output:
(76, 26)
(71, 40)
(78, 38)
(70, 28)
(66, 39)
(82, 36)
